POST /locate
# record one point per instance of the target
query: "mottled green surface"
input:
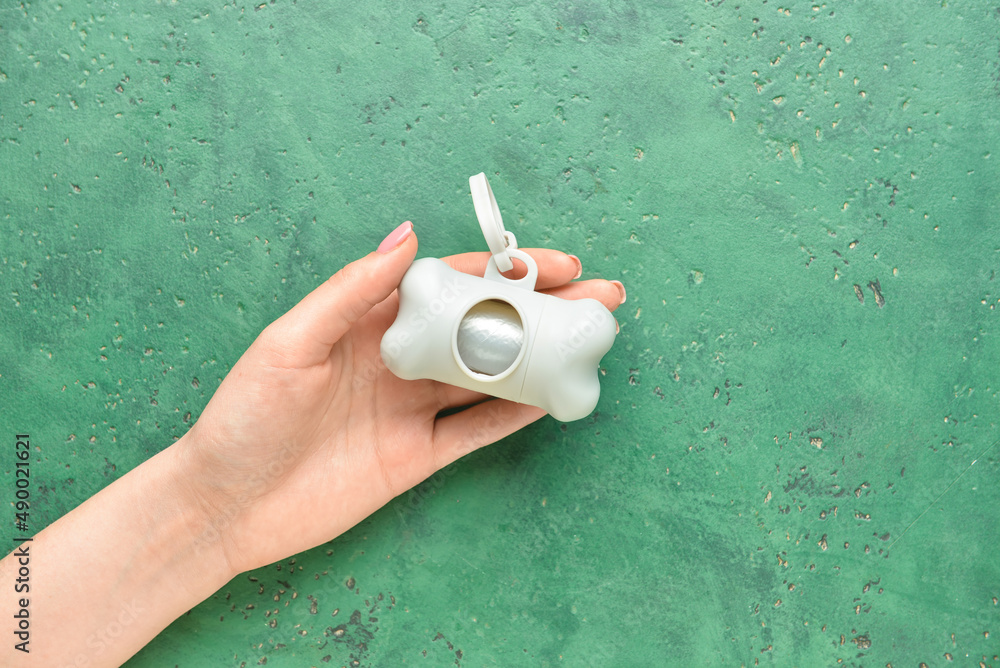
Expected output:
(778, 472)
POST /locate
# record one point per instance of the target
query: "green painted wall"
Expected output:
(781, 470)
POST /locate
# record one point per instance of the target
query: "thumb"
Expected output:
(316, 323)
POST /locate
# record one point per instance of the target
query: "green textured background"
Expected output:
(777, 473)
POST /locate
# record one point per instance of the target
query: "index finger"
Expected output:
(555, 268)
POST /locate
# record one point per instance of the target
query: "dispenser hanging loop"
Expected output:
(498, 239)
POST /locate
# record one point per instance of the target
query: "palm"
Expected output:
(304, 440)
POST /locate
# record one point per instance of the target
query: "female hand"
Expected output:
(310, 432)
(307, 435)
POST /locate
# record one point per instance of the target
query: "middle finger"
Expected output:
(554, 267)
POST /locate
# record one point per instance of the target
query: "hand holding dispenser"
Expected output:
(496, 335)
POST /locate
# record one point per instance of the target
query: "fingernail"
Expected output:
(579, 267)
(618, 328)
(395, 238)
(621, 289)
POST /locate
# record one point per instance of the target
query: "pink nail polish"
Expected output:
(621, 289)
(395, 238)
(579, 267)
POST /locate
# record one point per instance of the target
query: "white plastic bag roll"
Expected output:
(490, 337)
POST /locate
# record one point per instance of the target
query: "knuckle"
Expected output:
(351, 273)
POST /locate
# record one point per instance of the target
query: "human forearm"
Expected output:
(308, 434)
(111, 574)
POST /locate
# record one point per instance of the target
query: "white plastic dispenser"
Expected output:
(496, 335)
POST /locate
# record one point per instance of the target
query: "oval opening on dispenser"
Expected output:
(490, 337)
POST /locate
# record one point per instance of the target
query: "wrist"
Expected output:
(196, 528)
